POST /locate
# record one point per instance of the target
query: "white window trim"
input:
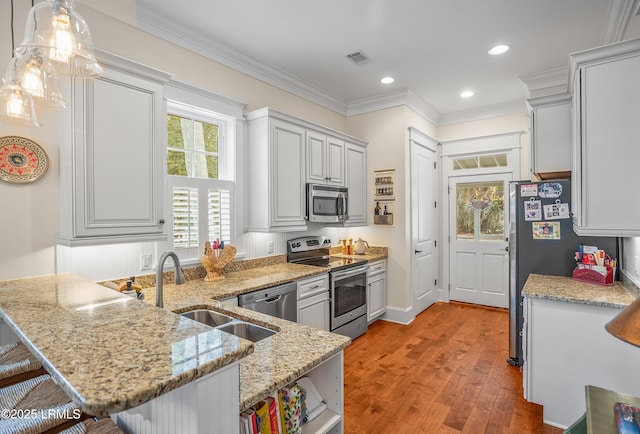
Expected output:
(196, 103)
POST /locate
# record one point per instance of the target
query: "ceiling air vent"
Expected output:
(358, 57)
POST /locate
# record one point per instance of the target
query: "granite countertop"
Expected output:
(371, 254)
(277, 360)
(567, 289)
(108, 351)
(194, 292)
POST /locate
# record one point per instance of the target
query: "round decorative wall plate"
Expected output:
(21, 160)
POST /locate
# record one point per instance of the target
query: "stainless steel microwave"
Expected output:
(327, 204)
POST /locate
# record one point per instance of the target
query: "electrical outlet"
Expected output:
(636, 265)
(270, 247)
(145, 261)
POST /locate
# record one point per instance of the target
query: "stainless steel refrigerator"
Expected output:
(541, 241)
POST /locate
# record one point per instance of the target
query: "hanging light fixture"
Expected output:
(16, 105)
(63, 37)
(57, 41)
(35, 75)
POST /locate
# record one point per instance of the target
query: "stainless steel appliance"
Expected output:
(348, 282)
(279, 301)
(532, 206)
(326, 204)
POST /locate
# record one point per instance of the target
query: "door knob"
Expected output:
(417, 251)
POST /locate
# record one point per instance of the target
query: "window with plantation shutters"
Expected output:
(201, 196)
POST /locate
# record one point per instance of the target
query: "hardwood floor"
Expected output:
(446, 372)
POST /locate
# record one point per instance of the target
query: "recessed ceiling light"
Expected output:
(467, 94)
(387, 80)
(498, 50)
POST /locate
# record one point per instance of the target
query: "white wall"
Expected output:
(29, 217)
(631, 258)
(491, 126)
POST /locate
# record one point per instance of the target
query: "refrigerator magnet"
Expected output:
(550, 190)
(532, 210)
(556, 211)
(546, 230)
(527, 190)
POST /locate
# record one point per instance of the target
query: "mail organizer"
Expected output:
(600, 275)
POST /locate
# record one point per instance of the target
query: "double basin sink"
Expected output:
(227, 324)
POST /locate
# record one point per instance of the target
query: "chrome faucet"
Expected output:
(179, 274)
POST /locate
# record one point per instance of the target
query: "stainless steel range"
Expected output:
(348, 280)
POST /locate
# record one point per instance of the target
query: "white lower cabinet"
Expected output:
(566, 348)
(313, 302)
(377, 290)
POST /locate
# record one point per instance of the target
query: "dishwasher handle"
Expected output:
(270, 299)
(268, 294)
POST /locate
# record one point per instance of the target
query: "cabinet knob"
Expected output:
(161, 221)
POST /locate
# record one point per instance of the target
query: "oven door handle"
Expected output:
(339, 275)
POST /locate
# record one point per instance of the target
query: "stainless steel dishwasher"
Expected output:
(279, 301)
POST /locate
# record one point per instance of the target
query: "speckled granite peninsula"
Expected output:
(110, 352)
(566, 289)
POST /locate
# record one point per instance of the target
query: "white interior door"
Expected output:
(424, 187)
(478, 231)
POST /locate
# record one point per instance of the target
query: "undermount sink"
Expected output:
(227, 324)
(208, 317)
(248, 331)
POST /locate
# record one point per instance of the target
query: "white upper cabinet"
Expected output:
(606, 131)
(356, 182)
(112, 153)
(325, 159)
(551, 146)
(275, 161)
(283, 154)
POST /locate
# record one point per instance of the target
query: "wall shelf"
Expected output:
(384, 196)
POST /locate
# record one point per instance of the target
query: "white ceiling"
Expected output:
(433, 48)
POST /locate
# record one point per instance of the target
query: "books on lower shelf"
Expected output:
(627, 418)
(284, 412)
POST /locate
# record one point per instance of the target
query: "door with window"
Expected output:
(478, 230)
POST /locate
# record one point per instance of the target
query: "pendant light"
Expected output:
(16, 105)
(63, 37)
(35, 75)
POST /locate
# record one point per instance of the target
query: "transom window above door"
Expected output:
(480, 162)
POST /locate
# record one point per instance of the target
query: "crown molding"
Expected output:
(546, 82)
(191, 40)
(618, 16)
(163, 27)
(486, 112)
(394, 99)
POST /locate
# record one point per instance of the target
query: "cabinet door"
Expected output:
(551, 146)
(314, 311)
(118, 156)
(356, 162)
(377, 296)
(609, 151)
(316, 158)
(287, 174)
(335, 162)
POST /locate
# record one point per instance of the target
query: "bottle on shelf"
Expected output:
(385, 210)
(376, 210)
